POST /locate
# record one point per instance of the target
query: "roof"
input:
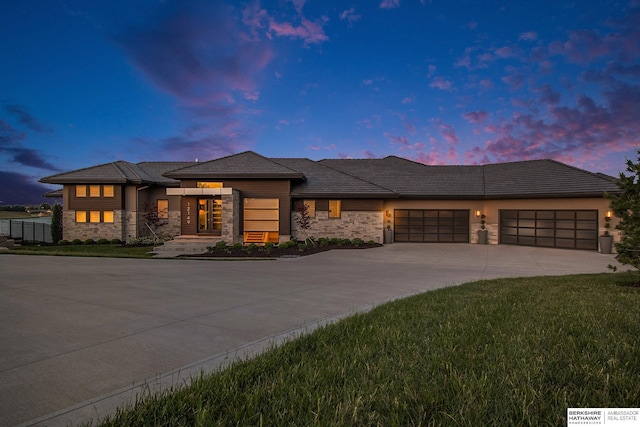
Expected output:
(119, 172)
(389, 177)
(322, 181)
(243, 165)
(412, 179)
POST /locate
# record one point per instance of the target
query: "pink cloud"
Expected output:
(441, 83)
(505, 52)
(298, 4)
(475, 116)
(408, 100)
(448, 133)
(350, 15)
(528, 36)
(310, 32)
(389, 4)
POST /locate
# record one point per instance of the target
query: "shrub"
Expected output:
(343, 242)
(251, 247)
(237, 246)
(56, 223)
(76, 242)
(221, 245)
(103, 241)
(268, 247)
(323, 241)
(89, 242)
(371, 242)
(302, 247)
(357, 242)
(63, 242)
(116, 241)
(334, 241)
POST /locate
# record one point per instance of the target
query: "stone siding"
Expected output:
(365, 225)
(492, 237)
(231, 218)
(92, 230)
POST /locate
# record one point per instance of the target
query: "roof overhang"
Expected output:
(198, 191)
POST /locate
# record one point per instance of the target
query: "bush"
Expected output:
(103, 241)
(116, 241)
(251, 247)
(357, 242)
(89, 242)
(63, 242)
(76, 242)
(302, 247)
(343, 242)
(334, 241)
(323, 241)
(237, 246)
(56, 223)
(221, 245)
(371, 242)
(268, 247)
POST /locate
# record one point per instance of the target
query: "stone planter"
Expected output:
(483, 237)
(606, 242)
(388, 236)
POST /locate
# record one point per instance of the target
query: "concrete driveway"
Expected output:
(80, 336)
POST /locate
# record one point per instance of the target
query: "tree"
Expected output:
(626, 206)
(56, 223)
(304, 219)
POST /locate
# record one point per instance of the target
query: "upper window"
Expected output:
(335, 208)
(81, 191)
(94, 191)
(163, 208)
(204, 184)
(107, 191)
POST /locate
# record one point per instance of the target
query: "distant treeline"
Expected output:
(23, 208)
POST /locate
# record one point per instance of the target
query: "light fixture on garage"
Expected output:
(387, 213)
(608, 214)
(478, 213)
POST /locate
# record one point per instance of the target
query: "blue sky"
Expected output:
(439, 82)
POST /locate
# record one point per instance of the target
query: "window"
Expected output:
(94, 216)
(202, 184)
(311, 207)
(335, 208)
(163, 209)
(94, 191)
(81, 191)
(107, 216)
(107, 191)
(81, 216)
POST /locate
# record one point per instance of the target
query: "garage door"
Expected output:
(571, 229)
(430, 225)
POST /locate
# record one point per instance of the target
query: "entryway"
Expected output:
(210, 216)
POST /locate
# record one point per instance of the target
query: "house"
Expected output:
(247, 198)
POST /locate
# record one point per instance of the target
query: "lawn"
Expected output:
(500, 352)
(106, 250)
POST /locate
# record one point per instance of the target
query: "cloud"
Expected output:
(350, 15)
(310, 32)
(528, 36)
(475, 116)
(27, 119)
(20, 189)
(408, 100)
(548, 95)
(298, 4)
(389, 4)
(9, 136)
(441, 83)
(196, 55)
(29, 157)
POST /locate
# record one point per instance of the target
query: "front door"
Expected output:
(209, 216)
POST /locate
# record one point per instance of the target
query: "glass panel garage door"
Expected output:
(430, 225)
(571, 229)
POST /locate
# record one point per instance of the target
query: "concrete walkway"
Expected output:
(80, 336)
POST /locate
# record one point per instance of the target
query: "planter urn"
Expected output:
(483, 237)
(388, 236)
(606, 242)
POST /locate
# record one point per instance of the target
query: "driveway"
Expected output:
(80, 336)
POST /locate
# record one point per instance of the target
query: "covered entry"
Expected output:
(571, 229)
(431, 225)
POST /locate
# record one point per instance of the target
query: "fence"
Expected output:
(27, 231)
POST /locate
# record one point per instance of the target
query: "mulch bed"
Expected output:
(276, 252)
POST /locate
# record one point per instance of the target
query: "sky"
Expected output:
(436, 81)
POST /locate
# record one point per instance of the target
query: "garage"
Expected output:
(431, 225)
(570, 229)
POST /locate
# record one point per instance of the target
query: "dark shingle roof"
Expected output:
(119, 172)
(322, 181)
(156, 171)
(411, 179)
(242, 165)
(543, 178)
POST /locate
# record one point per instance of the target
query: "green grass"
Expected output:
(500, 352)
(108, 250)
(16, 215)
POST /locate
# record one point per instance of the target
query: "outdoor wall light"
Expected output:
(608, 215)
(478, 213)
(387, 212)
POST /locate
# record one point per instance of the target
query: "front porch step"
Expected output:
(185, 245)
